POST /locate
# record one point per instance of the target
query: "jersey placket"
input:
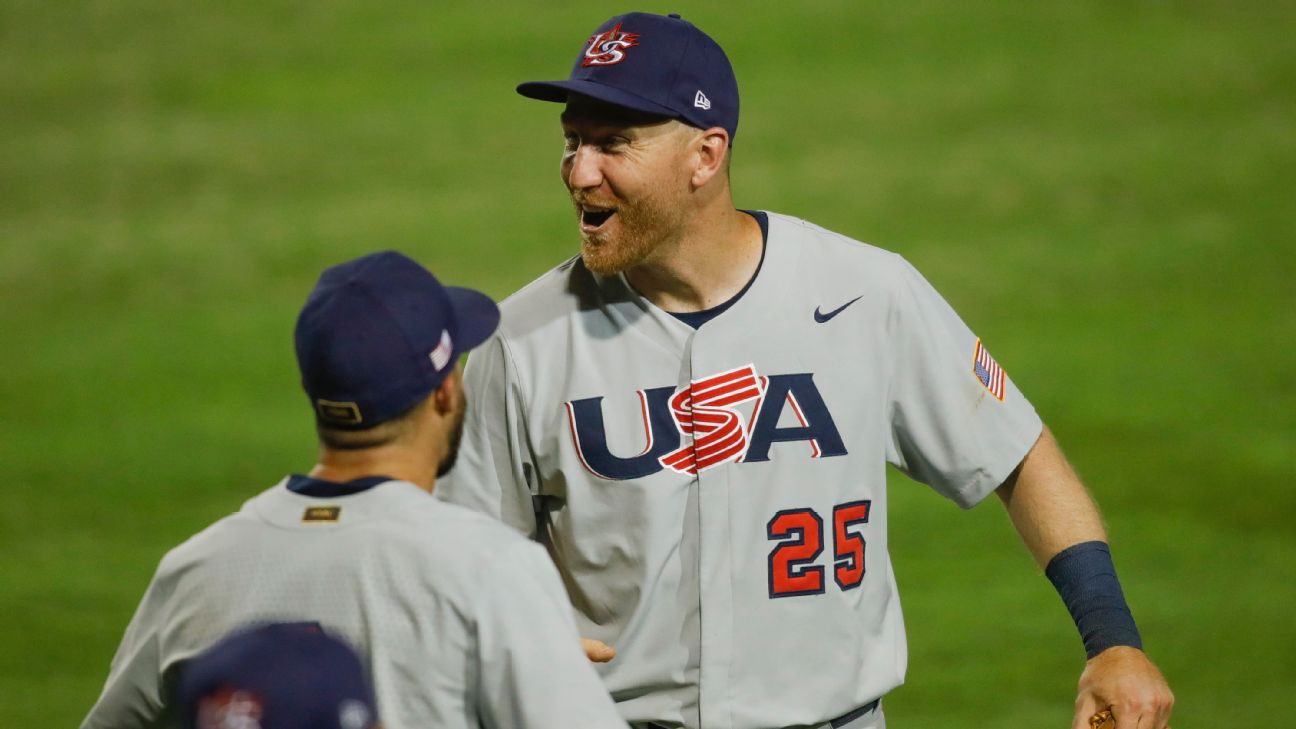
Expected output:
(715, 570)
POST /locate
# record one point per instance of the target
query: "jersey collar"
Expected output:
(319, 488)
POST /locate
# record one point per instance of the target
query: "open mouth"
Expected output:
(593, 218)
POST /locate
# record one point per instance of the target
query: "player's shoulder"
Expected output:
(403, 516)
(402, 519)
(477, 544)
(197, 548)
(410, 521)
(826, 255)
(817, 243)
(432, 519)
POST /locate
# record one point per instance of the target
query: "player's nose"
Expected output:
(582, 169)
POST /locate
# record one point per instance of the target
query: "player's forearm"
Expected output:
(1061, 527)
(1048, 504)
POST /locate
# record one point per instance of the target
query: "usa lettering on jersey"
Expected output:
(730, 417)
(706, 411)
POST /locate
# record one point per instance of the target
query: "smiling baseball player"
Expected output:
(696, 414)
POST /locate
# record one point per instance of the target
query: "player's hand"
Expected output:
(597, 651)
(1127, 681)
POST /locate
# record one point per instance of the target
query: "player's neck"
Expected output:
(395, 461)
(711, 261)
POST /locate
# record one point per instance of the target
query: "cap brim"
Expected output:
(476, 315)
(558, 91)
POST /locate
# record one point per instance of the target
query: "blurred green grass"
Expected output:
(1097, 187)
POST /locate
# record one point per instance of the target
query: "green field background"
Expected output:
(1098, 187)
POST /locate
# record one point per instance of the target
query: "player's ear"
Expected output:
(449, 393)
(712, 147)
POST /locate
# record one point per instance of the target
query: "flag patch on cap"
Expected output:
(441, 355)
(988, 371)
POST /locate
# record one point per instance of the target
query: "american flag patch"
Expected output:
(441, 355)
(988, 371)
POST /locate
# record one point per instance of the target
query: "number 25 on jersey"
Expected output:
(793, 568)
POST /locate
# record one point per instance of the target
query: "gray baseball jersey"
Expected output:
(461, 621)
(715, 498)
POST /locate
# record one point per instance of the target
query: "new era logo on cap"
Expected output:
(701, 101)
(354, 715)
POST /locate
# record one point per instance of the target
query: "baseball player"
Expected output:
(696, 413)
(461, 621)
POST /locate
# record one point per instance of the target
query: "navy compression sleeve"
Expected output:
(1085, 577)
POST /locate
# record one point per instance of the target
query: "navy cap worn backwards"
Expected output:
(278, 676)
(378, 334)
(656, 64)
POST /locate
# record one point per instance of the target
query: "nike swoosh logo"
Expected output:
(821, 317)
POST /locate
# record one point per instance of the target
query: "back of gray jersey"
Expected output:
(715, 498)
(461, 622)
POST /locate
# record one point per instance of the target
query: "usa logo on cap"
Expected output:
(231, 710)
(608, 48)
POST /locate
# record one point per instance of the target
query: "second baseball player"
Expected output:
(696, 416)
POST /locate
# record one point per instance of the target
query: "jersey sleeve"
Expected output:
(133, 696)
(958, 423)
(533, 672)
(491, 473)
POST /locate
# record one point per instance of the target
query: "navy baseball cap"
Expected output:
(379, 333)
(278, 676)
(655, 64)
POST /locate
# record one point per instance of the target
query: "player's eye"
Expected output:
(571, 142)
